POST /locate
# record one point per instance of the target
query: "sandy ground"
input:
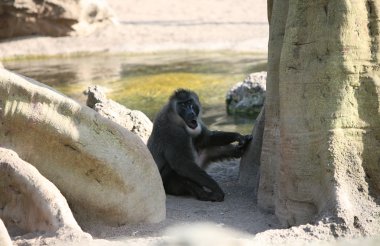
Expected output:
(167, 25)
(238, 212)
(234, 222)
(162, 25)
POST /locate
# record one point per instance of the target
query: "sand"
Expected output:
(236, 221)
(161, 25)
(238, 211)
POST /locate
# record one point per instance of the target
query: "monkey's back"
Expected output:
(158, 138)
(168, 137)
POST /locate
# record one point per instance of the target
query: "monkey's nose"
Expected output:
(192, 115)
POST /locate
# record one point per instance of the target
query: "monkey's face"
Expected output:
(189, 111)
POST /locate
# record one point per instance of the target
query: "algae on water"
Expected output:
(145, 81)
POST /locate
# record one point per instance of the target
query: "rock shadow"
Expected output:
(367, 95)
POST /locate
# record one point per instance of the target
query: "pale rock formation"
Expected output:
(28, 200)
(134, 120)
(52, 17)
(5, 240)
(321, 144)
(247, 97)
(104, 171)
(249, 170)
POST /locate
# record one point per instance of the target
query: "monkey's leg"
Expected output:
(180, 186)
(181, 160)
(174, 185)
(201, 194)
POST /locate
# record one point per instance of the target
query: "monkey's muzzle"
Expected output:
(192, 123)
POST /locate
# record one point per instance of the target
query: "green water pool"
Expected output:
(145, 81)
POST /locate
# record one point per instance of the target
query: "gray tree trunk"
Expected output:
(321, 146)
(249, 171)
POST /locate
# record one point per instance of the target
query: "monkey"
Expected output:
(182, 147)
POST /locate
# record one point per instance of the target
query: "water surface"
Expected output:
(145, 81)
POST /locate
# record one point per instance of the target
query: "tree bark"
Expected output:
(321, 148)
(269, 9)
(249, 173)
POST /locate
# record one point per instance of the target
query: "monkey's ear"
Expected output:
(178, 93)
(181, 90)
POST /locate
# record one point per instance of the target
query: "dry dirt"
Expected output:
(162, 25)
(236, 221)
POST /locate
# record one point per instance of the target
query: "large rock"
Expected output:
(249, 171)
(321, 146)
(134, 120)
(28, 200)
(247, 97)
(52, 17)
(5, 240)
(103, 170)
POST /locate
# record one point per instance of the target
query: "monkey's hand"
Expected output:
(211, 196)
(243, 143)
(216, 197)
(244, 140)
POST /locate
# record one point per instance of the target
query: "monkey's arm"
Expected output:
(218, 153)
(218, 138)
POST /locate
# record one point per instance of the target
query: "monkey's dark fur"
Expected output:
(182, 145)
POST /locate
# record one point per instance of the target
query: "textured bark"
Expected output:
(250, 163)
(321, 147)
(271, 137)
(269, 9)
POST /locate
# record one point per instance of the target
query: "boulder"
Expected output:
(28, 200)
(247, 97)
(5, 240)
(52, 17)
(134, 120)
(104, 171)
